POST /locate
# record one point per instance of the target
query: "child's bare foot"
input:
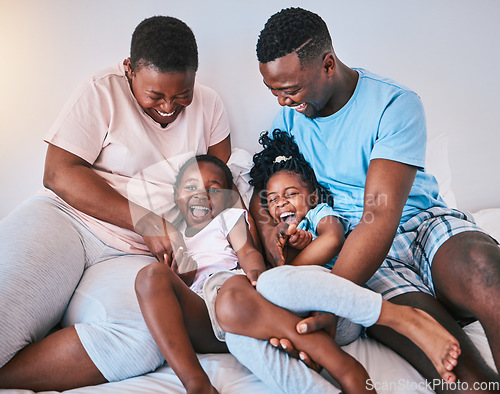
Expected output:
(203, 390)
(432, 338)
(345, 369)
(199, 386)
(352, 376)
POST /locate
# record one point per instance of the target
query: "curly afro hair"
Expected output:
(281, 153)
(293, 30)
(164, 43)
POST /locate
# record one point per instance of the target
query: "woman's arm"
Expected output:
(249, 258)
(222, 150)
(72, 179)
(325, 247)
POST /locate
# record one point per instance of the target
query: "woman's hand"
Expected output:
(184, 266)
(160, 236)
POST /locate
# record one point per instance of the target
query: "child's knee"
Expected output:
(151, 275)
(234, 304)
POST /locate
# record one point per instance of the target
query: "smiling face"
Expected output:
(202, 193)
(289, 198)
(304, 88)
(162, 95)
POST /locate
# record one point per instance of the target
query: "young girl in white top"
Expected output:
(217, 238)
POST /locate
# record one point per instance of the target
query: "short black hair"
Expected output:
(293, 30)
(205, 158)
(164, 43)
(281, 153)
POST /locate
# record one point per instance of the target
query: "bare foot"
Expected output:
(432, 338)
(199, 386)
(349, 373)
(203, 390)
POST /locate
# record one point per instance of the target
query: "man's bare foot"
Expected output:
(432, 338)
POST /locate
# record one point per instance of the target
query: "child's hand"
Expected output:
(298, 239)
(281, 241)
(253, 275)
(184, 266)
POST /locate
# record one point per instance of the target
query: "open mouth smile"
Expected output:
(199, 211)
(288, 217)
(164, 114)
(299, 107)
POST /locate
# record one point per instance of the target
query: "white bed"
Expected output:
(389, 372)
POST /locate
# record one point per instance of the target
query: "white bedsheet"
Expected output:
(390, 373)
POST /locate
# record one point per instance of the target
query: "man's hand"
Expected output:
(276, 244)
(317, 321)
(287, 346)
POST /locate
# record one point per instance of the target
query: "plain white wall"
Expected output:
(446, 51)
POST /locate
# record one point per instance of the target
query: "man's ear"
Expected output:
(329, 63)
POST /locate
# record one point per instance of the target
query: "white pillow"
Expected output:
(240, 163)
(489, 221)
(438, 165)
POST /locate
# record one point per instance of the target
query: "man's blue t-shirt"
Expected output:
(382, 120)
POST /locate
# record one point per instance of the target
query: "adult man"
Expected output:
(365, 137)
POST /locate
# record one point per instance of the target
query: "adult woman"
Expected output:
(107, 211)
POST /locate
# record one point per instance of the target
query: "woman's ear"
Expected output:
(128, 68)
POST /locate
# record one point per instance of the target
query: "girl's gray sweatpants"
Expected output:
(302, 290)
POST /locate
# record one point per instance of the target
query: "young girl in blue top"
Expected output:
(312, 234)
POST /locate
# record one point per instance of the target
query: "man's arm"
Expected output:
(388, 184)
(267, 231)
(387, 187)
